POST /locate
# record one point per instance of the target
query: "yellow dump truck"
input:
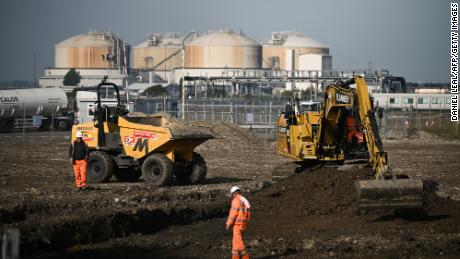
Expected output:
(155, 147)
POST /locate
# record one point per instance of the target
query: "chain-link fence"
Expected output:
(400, 124)
(260, 117)
(239, 113)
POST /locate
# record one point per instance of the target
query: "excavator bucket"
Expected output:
(390, 194)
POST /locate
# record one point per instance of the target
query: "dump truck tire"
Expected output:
(157, 170)
(198, 169)
(100, 167)
(127, 174)
(195, 173)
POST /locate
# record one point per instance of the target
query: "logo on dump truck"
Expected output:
(145, 134)
(140, 140)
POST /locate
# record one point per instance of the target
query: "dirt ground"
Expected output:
(307, 215)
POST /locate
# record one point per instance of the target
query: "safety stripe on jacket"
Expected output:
(239, 211)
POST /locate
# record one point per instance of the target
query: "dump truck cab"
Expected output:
(129, 146)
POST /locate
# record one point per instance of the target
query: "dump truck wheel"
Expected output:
(195, 173)
(127, 174)
(157, 169)
(198, 169)
(100, 167)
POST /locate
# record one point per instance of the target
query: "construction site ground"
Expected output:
(305, 215)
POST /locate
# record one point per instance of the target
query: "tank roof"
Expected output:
(170, 39)
(91, 39)
(293, 39)
(223, 38)
(302, 42)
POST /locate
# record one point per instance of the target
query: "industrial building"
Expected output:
(226, 53)
(218, 53)
(210, 53)
(93, 55)
(168, 57)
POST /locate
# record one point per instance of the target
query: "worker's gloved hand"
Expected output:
(228, 227)
(71, 161)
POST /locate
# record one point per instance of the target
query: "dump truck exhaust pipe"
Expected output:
(390, 194)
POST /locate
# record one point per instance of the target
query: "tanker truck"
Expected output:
(37, 107)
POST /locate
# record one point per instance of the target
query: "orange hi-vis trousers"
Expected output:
(238, 218)
(238, 247)
(79, 168)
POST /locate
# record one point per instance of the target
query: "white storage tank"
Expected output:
(158, 52)
(277, 51)
(87, 51)
(223, 49)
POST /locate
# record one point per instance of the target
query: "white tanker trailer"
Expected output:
(43, 106)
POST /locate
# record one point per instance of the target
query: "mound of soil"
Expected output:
(308, 215)
(330, 191)
(421, 135)
(230, 138)
(318, 192)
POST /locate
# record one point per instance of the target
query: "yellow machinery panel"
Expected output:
(89, 133)
(296, 137)
(139, 140)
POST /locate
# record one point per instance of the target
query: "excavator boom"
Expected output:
(385, 191)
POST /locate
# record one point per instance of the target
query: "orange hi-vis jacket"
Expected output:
(239, 213)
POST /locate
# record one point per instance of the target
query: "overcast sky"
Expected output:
(410, 38)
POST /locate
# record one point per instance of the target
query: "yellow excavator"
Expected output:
(345, 129)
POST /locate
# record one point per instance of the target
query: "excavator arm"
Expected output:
(387, 191)
(377, 156)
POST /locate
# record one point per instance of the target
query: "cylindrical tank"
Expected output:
(275, 50)
(223, 49)
(159, 52)
(91, 50)
(35, 101)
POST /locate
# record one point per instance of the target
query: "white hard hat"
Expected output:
(79, 134)
(234, 189)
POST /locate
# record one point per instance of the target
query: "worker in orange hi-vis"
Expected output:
(78, 154)
(238, 218)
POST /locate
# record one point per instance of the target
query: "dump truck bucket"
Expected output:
(390, 194)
